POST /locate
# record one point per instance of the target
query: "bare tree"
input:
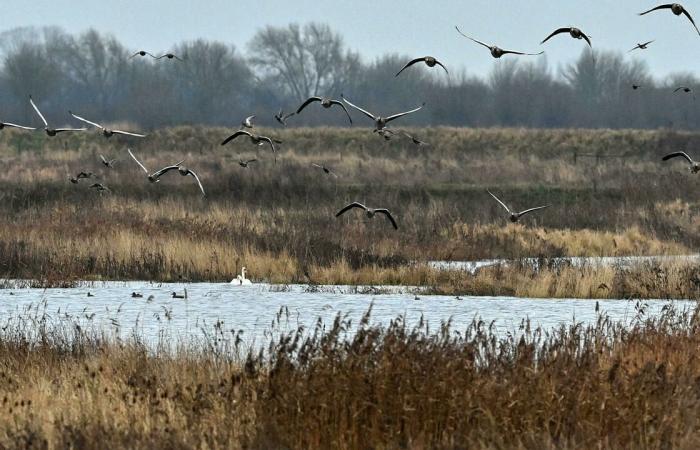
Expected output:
(308, 60)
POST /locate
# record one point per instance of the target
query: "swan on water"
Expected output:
(241, 280)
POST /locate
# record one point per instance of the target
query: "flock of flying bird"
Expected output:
(380, 122)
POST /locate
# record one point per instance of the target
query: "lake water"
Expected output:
(574, 261)
(252, 309)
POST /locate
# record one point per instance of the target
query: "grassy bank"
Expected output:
(598, 386)
(278, 219)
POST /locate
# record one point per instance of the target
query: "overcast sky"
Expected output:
(371, 27)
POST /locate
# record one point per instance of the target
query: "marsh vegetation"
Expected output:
(610, 193)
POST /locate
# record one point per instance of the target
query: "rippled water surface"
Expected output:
(253, 308)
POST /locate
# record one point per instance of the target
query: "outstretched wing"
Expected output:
(585, 38)
(676, 154)
(527, 211)
(440, 64)
(472, 39)
(62, 130)
(505, 52)
(201, 188)
(366, 113)
(137, 161)
(270, 141)
(396, 116)
(555, 32)
(14, 125)
(308, 102)
(234, 136)
(349, 207)
(166, 169)
(499, 201)
(409, 64)
(46, 124)
(336, 102)
(86, 121)
(658, 7)
(104, 160)
(388, 214)
(687, 14)
(250, 161)
(128, 133)
(680, 87)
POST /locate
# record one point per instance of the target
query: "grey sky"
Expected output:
(415, 27)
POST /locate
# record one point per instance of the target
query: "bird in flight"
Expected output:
(282, 118)
(371, 212)
(694, 166)
(109, 163)
(574, 32)
(326, 102)
(143, 53)
(154, 177)
(106, 132)
(99, 187)
(245, 163)
(677, 9)
(641, 46)
(254, 138)
(514, 216)
(496, 52)
(379, 121)
(326, 169)
(51, 131)
(429, 61)
(169, 56)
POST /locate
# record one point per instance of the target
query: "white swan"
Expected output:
(241, 280)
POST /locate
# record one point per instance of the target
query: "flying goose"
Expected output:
(574, 32)
(109, 163)
(12, 125)
(677, 9)
(326, 102)
(100, 187)
(245, 163)
(685, 89)
(635, 86)
(369, 211)
(379, 121)
(643, 46)
(248, 122)
(429, 61)
(325, 169)
(143, 53)
(496, 52)
(169, 56)
(51, 131)
(254, 138)
(515, 216)
(106, 132)
(154, 177)
(80, 176)
(282, 118)
(694, 166)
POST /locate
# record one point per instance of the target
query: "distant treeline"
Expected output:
(217, 84)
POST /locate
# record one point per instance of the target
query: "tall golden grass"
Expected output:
(597, 386)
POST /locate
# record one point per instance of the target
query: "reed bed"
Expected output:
(603, 385)
(277, 219)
